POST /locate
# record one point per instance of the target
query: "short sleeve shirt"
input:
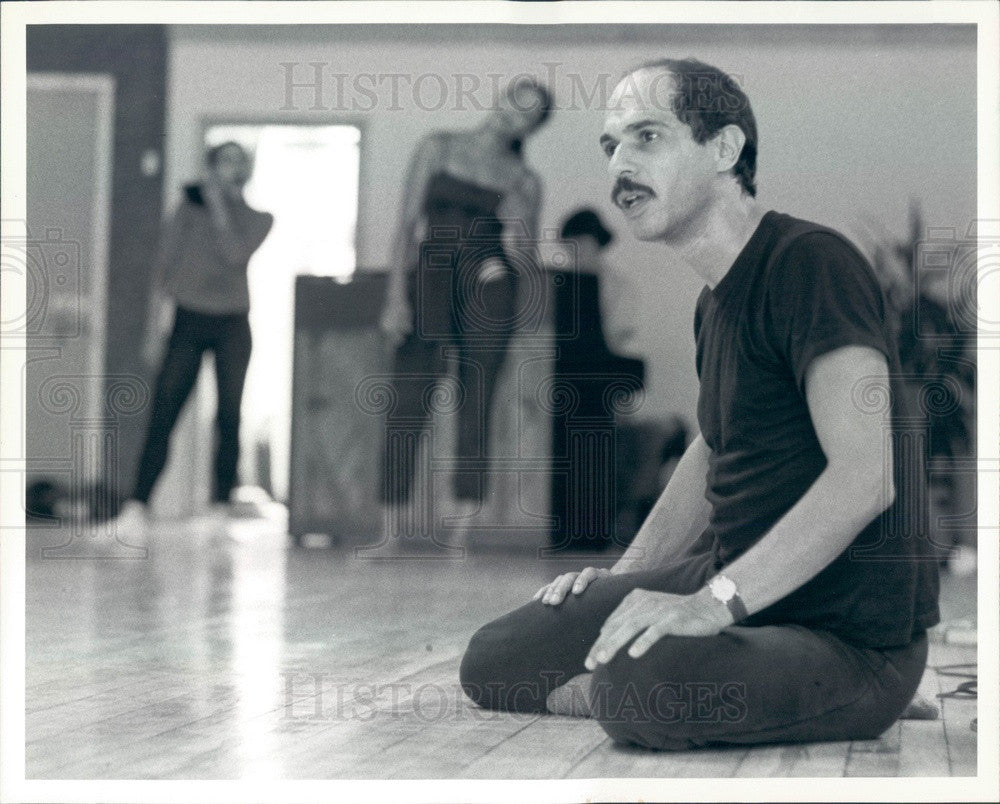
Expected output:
(799, 290)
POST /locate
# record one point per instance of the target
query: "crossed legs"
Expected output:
(778, 683)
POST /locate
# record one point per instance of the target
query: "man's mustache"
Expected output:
(625, 185)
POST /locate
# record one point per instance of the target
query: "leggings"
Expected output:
(745, 686)
(228, 336)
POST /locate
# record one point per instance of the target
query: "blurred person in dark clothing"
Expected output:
(593, 323)
(200, 282)
(470, 201)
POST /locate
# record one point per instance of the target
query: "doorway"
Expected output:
(307, 177)
(62, 249)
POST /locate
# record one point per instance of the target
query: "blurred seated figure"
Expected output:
(591, 383)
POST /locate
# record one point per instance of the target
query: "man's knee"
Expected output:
(478, 666)
(488, 672)
(503, 669)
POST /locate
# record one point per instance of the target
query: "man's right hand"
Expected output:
(552, 594)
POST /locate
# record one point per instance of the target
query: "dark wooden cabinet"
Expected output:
(336, 436)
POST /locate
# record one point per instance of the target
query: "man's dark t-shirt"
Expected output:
(796, 291)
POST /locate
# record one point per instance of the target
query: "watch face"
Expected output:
(722, 588)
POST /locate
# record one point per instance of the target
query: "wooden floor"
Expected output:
(221, 657)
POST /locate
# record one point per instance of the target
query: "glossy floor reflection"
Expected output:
(225, 654)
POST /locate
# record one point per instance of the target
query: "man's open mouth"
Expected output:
(629, 200)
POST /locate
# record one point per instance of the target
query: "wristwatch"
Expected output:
(723, 589)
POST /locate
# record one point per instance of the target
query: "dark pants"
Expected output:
(228, 336)
(478, 339)
(776, 683)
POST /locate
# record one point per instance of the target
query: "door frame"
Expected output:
(102, 87)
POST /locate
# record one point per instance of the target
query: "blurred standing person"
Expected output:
(606, 300)
(200, 278)
(469, 198)
(592, 306)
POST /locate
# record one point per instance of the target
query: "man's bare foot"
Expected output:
(572, 698)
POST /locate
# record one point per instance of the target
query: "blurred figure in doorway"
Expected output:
(200, 282)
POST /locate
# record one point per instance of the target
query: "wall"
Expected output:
(854, 122)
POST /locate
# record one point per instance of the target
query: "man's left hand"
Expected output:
(655, 615)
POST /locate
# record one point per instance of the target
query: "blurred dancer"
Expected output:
(469, 201)
(201, 279)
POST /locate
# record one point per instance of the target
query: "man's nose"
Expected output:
(620, 163)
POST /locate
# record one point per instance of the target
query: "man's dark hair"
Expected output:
(707, 100)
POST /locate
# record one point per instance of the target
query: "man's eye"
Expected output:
(648, 136)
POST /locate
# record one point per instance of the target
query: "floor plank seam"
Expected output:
(604, 744)
(505, 740)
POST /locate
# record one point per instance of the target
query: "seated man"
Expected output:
(781, 588)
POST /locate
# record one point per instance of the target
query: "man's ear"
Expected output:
(729, 141)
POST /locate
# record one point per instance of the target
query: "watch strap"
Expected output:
(725, 591)
(737, 608)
